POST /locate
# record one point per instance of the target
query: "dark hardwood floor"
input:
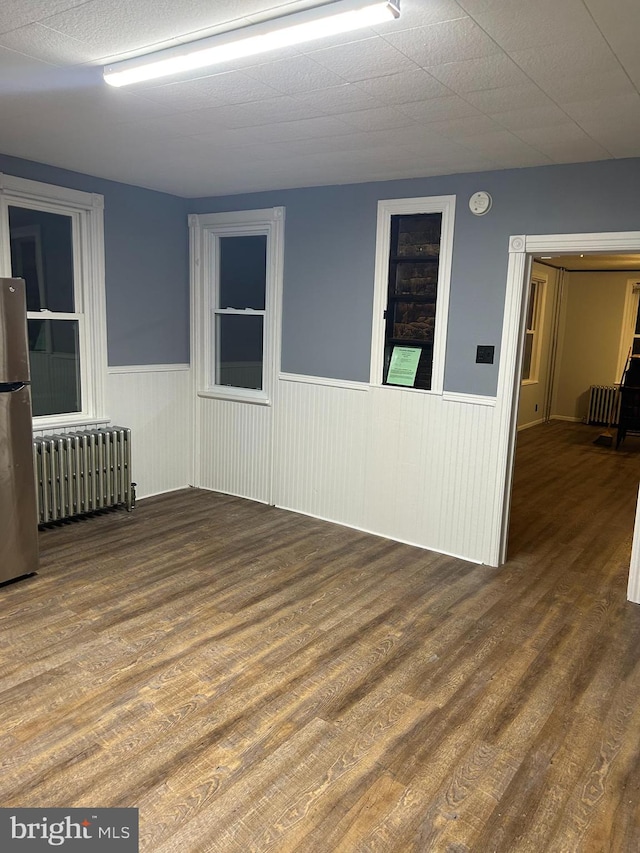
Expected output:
(253, 680)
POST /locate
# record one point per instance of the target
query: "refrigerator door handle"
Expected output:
(6, 387)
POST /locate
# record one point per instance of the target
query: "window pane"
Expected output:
(243, 267)
(531, 314)
(55, 366)
(414, 320)
(239, 351)
(417, 279)
(417, 235)
(528, 352)
(42, 254)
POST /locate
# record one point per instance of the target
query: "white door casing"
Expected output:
(521, 249)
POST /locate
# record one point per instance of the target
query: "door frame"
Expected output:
(522, 248)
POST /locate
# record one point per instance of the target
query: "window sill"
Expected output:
(255, 399)
(67, 423)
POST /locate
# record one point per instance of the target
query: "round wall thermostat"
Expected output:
(480, 203)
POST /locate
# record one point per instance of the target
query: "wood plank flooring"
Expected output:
(253, 680)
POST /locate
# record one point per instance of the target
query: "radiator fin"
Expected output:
(604, 405)
(81, 472)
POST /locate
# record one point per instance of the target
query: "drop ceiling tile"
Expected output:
(577, 151)
(404, 88)
(492, 101)
(501, 144)
(104, 105)
(438, 109)
(18, 13)
(231, 87)
(380, 118)
(472, 75)
(619, 21)
(619, 141)
(451, 41)
(47, 45)
(633, 70)
(420, 13)
(294, 75)
(20, 73)
(559, 134)
(120, 26)
(338, 99)
(529, 117)
(460, 127)
(322, 126)
(615, 110)
(363, 59)
(267, 111)
(570, 59)
(316, 145)
(522, 24)
(569, 88)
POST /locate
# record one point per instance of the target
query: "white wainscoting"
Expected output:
(233, 448)
(155, 401)
(409, 466)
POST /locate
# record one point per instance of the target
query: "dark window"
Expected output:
(411, 298)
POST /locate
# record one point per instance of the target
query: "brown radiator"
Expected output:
(82, 472)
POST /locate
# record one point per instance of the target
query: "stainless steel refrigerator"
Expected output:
(18, 510)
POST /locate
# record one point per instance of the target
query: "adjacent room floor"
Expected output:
(254, 680)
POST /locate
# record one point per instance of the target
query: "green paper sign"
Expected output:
(404, 366)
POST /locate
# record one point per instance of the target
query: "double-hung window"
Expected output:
(237, 268)
(533, 331)
(411, 300)
(52, 237)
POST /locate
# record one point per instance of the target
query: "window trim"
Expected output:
(203, 229)
(398, 206)
(540, 281)
(87, 214)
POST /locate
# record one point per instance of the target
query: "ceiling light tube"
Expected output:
(340, 16)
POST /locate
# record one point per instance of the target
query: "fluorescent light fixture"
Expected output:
(340, 16)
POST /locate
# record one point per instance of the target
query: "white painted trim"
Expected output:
(518, 271)
(446, 205)
(266, 221)
(86, 211)
(468, 399)
(628, 325)
(234, 495)
(39, 191)
(324, 380)
(633, 587)
(47, 424)
(147, 368)
(521, 247)
(522, 427)
(236, 397)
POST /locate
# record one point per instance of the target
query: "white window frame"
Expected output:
(387, 208)
(87, 216)
(205, 231)
(629, 317)
(540, 282)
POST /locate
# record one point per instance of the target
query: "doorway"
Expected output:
(522, 250)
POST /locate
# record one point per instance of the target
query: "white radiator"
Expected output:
(604, 405)
(82, 472)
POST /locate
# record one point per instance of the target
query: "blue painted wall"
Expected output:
(329, 259)
(146, 265)
(330, 247)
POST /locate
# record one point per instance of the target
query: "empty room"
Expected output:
(320, 426)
